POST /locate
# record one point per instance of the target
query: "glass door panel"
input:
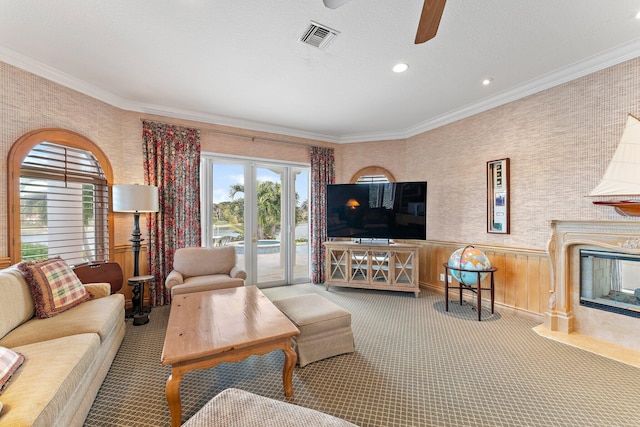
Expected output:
(269, 242)
(227, 208)
(261, 209)
(301, 226)
(359, 265)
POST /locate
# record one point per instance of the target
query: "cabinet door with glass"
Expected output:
(386, 267)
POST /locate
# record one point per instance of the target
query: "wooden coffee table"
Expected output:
(226, 325)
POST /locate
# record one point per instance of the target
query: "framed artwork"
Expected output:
(498, 196)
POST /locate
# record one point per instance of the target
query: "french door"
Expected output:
(260, 208)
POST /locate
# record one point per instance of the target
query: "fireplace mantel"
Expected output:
(564, 313)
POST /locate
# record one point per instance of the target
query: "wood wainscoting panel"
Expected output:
(511, 279)
(522, 282)
(5, 262)
(533, 277)
(499, 276)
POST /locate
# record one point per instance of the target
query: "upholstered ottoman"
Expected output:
(325, 327)
(237, 408)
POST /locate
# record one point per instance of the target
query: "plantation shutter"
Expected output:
(64, 204)
(371, 178)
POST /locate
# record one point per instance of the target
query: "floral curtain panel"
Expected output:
(172, 163)
(322, 173)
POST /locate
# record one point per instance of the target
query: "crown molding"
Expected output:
(53, 74)
(609, 58)
(579, 69)
(233, 122)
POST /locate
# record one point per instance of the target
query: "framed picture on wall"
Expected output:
(498, 196)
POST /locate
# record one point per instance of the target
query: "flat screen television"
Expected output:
(390, 210)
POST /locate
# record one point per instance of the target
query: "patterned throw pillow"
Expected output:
(54, 286)
(10, 361)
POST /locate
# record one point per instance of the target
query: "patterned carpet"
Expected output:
(414, 365)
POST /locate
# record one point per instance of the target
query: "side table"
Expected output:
(476, 289)
(140, 315)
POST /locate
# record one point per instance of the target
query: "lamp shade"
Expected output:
(135, 198)
(353, 203)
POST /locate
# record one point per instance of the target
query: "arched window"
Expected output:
(372, 174)
(59, 198)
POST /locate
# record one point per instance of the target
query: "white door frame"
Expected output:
(250, 225)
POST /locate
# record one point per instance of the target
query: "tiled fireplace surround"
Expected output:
(565, 315)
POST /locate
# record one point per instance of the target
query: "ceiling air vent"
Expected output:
(318, 35)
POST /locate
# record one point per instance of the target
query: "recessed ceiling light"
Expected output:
(487, 81)
(400, 68)
(638, 15)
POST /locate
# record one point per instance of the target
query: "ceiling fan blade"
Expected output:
(429, 20)
(334, 4)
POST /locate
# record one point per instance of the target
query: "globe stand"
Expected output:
(476, 288)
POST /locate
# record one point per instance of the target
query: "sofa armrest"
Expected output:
(98, 290)
(237, 273)
(174, 278)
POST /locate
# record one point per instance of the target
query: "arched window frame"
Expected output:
(372, 171)
(20, 149)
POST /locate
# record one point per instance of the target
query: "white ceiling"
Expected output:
(239, 62)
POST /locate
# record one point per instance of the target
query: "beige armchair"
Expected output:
(204, 269)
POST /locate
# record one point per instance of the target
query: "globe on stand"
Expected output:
(470, 259)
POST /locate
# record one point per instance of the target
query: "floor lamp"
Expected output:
(136, 199)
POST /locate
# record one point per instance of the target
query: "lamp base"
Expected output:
(140, 319)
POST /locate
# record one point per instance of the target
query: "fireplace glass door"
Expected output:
(610, 281)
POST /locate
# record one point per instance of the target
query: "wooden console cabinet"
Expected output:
(391, 267)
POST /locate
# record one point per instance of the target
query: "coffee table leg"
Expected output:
(172, 391)
(290, 358)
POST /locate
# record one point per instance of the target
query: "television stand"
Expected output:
(390, 267)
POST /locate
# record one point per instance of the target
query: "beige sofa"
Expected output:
(67, 356)
(204, 269)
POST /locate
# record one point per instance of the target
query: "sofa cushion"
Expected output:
(98, 316)
(204, 261)
(49, 377)
(54, 285)
(206, 283)
(16, 302)
(10, 361)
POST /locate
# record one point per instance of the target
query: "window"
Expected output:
(372, 174)
(59, 204)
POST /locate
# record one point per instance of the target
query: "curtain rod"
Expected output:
(241, 135)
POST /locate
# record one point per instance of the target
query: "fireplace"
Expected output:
(610, 281)
(604, 306)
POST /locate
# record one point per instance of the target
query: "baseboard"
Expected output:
(536, 317)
